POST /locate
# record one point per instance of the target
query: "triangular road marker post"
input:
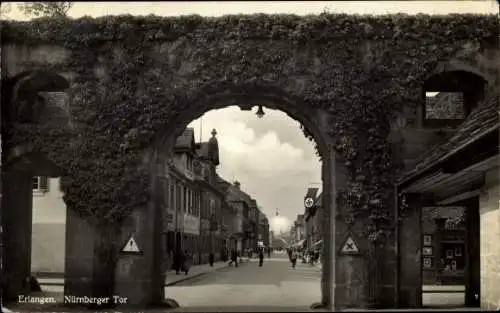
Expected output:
(349, 246)
(131, 246)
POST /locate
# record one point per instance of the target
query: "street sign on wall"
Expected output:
(349, 246)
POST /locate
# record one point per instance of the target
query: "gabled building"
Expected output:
(184, 198)
(246, 208)
(212, 234)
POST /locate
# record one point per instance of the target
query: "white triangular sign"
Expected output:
(350, 246)
(131, 246)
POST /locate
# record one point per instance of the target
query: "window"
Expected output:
(212, 207)
(190, 201)
(444, 106)
(448, 97)
(172, 195)
(184, 199)
(166, 192)
(178, 198)
(36, 182)
(40, 183)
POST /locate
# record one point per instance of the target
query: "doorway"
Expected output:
(450, 255)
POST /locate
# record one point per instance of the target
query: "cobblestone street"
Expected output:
(274, 286)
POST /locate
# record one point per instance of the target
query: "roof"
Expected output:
(202, 151)
(483, 119)
(186, 139)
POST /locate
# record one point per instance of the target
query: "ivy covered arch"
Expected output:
(246, 96)
(136, 79)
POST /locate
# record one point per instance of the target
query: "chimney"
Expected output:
(237, 184)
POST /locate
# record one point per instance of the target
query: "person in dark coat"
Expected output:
(293, 258)
(234, 258)
(261, 256)
(178, 261)
(211, 259)
(186, 262)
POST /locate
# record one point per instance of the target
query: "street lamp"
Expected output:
(260, 112)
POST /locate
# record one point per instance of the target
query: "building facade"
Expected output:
(298, 230)
(314, 224)
(263, 233)
(185, 198)
(48, 226)
(313, 218)
(206, 214)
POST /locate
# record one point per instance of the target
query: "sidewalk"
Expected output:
(171, 279)
(194, 271)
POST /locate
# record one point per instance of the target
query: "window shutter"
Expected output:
(44, 183)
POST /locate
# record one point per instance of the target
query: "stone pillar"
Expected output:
(79, 261)
(17, 197)
(328, 282)
(95, 265)
(139, 276)
(352, 271)
(409, 240)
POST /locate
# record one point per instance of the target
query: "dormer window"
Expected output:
(449, 97)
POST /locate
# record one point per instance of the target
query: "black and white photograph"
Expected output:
(246, 156)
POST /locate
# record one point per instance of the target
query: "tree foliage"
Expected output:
(46, 9)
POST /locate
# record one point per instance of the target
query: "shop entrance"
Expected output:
(450, 255)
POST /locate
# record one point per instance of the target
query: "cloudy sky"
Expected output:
(271, 158)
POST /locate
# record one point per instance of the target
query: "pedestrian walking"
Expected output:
(211, 259)
(186, 262)
(293, 258)
(316, 256)
(311, 257)
(234, 258)
(178, 261)
(261, 256)
(268, 252)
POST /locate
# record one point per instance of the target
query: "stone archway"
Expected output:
(22, 106)
(357, 72)
(244, 96)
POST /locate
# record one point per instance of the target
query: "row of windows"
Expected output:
(182, 198)
(189, 200)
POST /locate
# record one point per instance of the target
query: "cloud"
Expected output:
(270, 157)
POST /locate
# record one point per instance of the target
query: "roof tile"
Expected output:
(485, 116)
(185, 139)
